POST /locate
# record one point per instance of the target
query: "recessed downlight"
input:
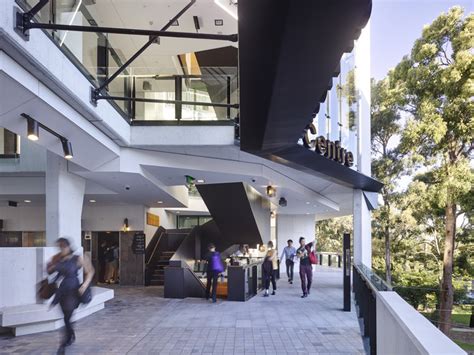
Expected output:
(92, 201)
(27, 201)
(159, 202)
(307, 202)
(200, 181)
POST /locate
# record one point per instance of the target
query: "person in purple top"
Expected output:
(306, 269)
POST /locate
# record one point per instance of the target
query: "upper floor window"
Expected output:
(9, 144)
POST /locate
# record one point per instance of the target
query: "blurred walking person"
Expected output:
(69, 293)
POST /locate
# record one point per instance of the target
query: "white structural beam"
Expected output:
(362, 218)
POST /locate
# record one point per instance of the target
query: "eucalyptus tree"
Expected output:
(435, 84)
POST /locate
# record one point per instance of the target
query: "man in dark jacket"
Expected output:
(215, 266)
(306, 269)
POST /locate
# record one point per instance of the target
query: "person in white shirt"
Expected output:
(289, 253)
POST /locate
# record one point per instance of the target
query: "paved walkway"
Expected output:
(140, 321)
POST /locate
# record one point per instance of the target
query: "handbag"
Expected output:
(46, 289)
(86, 297)
(313, 259)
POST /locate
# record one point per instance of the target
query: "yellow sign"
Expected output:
(152, 219)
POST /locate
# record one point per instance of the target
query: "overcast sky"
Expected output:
(396, 24)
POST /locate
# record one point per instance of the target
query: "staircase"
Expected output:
(159, 262)
(159, 252)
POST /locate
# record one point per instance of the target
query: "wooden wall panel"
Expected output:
(132, 266)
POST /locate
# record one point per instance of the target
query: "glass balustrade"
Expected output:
(202, 96)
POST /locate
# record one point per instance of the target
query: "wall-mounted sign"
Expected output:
(329, 149)
(152, 219)
(139, 243)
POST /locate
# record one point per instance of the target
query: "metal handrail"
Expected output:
(156, 246)
(372, 279)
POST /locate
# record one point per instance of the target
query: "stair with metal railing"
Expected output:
(159, 251)
(162, 260)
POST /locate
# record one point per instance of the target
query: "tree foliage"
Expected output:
(435, 86)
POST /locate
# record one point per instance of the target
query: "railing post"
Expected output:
(372, 323)
(178, 96)
(228, 97)
(347, 271)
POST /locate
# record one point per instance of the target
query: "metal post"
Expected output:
(372, 323)
(178, 96)
(321, 260)
(228, 97)
(102, 59)
(329, 260)
(133, 113)
(347, 271)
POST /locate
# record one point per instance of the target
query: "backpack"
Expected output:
(267, 266)
(216, 264)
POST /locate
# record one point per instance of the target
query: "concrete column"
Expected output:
(362, 219)
(362, 230)
(64, 200)
(293, 227)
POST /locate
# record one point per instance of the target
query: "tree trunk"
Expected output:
(447, 292)
(388, 270)
(388, 262)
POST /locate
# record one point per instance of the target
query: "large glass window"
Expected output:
(9, 144)
(162, 72)
(338, 116)
(188, 222)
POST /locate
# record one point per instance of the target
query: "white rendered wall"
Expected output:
(167, 221)
(23, 218)
(362, 219)
(403, 330)
(64, 199)
(110, 218)
(293, 227)
(21, 269)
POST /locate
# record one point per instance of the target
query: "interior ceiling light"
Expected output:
(200, 181)
(218, 22)
(226, 9)
(32, 129)
(307, 202)
(67, 148)
(27, 201)
(70, 22)
(33, 134)
(270, 191)
(282, 202)
(160, 202)
(92, 201)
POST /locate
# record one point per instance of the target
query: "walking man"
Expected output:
(289, 253)
(215, 266)
(306, 269)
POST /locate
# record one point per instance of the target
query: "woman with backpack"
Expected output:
(307, 259)
(215, 266)
(70, 292)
